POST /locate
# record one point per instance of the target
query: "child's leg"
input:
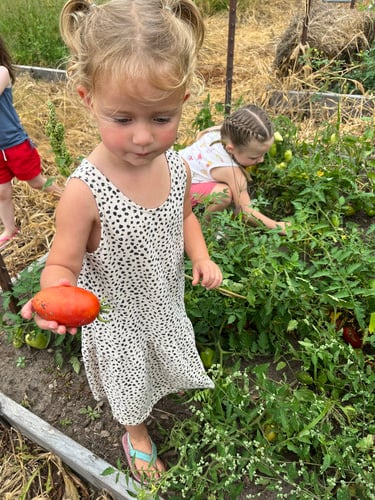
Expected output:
(198, 192)
(39, 181)
(224, 198)
(140, 441)
(7, 210)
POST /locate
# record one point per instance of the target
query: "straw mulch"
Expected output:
(31, 472)
(257, 36)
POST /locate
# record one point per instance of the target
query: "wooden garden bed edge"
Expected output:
(81, 460)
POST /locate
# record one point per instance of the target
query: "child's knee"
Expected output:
(6, 192)
(37, 182)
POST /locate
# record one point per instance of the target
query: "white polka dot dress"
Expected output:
(146, 348)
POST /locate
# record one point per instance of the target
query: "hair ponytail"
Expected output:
(71, 18)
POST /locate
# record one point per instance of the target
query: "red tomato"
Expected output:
(351, 336)
(68, 305)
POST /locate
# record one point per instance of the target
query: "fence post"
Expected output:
(230, 55)
(306, 20)
(6, 286)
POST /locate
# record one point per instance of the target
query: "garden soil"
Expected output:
(62, 397)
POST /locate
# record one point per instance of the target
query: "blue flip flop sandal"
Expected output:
(131, 454)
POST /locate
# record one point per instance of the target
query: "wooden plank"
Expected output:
(85, 463)
(323, 104)
(37, 72)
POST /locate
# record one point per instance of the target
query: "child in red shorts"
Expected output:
(18, 156)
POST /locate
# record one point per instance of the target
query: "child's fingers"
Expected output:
(196, 277)
(27, 310)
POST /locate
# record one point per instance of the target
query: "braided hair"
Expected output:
(246, 123)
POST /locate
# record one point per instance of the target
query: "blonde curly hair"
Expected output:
(152, 39)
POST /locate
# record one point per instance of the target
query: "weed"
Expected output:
(92, 413)
(21, 362)
(65, 422)
(55, 131)
(31, 30)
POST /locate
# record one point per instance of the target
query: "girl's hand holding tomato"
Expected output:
(28, 312)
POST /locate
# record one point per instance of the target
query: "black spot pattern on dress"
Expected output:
(146, 349)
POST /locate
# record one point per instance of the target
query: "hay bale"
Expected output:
(336, 33)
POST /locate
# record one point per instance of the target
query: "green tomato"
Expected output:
(39, 339)
(273, 150)
(335, 220)
(270, 432)
(333, 139)
(305, 378)
(207, 356)
(349, 209)
(278, 137)
(252, 169)
(281, 165)
(322, 378)
(288, 155)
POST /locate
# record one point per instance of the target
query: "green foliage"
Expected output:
(204, 118)
(301, 426)
(319, 447)
(30, 29)
(356, 76)
(309, 432)
(363, 72)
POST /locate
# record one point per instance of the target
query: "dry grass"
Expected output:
(258, 34)
(28, 471)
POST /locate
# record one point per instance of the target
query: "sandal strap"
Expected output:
(146, 457)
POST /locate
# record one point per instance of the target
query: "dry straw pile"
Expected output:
(258, 33)
(336, 32)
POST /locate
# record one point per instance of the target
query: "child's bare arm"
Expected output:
(204, 269)
(237, 182)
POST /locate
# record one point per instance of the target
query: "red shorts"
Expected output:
(200, 190)
(21, 161)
